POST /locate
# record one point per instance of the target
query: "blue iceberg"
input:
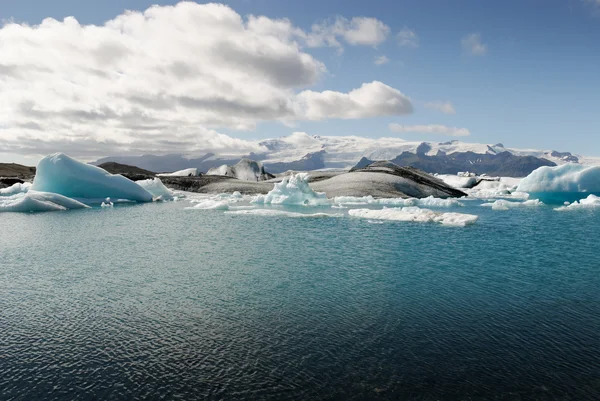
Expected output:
(566, 183)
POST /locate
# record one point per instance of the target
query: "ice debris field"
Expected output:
(63, 183)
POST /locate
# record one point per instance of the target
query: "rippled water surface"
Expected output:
(158, 302)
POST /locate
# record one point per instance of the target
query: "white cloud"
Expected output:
(444, 107)
(370, 100)
(357, 31)
(381, 60)
(472, 44)
(407, 38)
(430, 129)
(165, 79)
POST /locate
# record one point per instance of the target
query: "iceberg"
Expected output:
(61, 174)
(430, 201)
(210, 204)
(566, 183)
(245, 169)
(293, 190)
(502, 204)
(15, 189)
(35, 201)
(188, 172)
(156, 188)
(591, 202)
(282, 213)
(415, 214)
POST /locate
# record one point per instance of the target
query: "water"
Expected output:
(157, 302)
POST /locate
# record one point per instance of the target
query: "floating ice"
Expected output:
(211, 204)
(566, 183)
(63, 175)
(188, 172)
(156, 188)
(415, 214)
(293, 190)
(502, 204)
(591, 202)
(15, 189)
(281, 213)
(430, 201)
(458, 182)
(35, 201)
(245, 169)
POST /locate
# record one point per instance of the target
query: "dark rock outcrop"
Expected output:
(14, 170)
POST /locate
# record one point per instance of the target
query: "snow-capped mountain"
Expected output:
(300, 151)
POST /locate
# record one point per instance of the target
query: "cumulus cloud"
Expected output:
(407, 38)
(429, 129)
(166, 79)
(444, 107)
(472, 44)
(370, 100)
(381, 60)
(357, 31)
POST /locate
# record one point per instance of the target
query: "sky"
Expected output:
(92, 79)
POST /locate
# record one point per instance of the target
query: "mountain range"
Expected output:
(301, 151)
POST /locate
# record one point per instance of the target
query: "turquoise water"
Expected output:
(157, 302)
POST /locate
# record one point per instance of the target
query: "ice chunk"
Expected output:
(282, 213)
(210, 204)
(566, 183)
(502, 204)
(458, 182)
(188, 172)
(156, 188)
(63, 175)
(430, 201)
(415, 214)
(107, 203)
(591, 202)
(35, 201)
(15, 189)
(245, 169)
(293, 190)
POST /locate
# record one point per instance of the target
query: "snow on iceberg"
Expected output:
(566, 183)
(430, 201)
(188, 172)
(502, 204)
(15, 189)
(245, 169)
(156, 188)
(35, 201)
(415, 214)
(293, 190)
(591, 202)
(61, 174)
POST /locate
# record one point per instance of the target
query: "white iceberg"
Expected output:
(35, 201)
(415, 214)
(15, 189)
(156, 188)
(430, 201)
(245, 169)
(188, 172)
(61, 174)
(282, 213)
(591, 202)
(566, 183)
(293, 190)
(502, 204)
(211, 204)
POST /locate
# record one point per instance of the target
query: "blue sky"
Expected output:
(535, 85)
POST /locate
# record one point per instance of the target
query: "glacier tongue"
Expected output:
(61, 174)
